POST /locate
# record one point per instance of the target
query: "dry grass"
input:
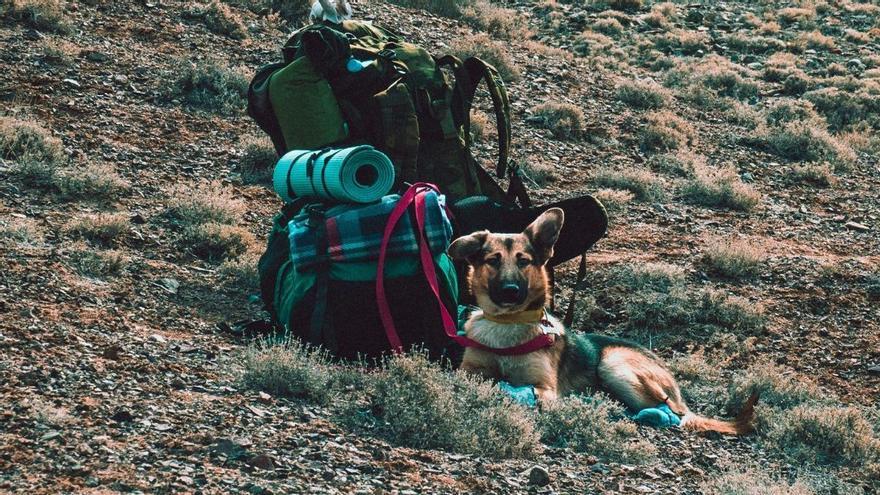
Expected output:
(481, 127)
(815, 174)
(719, 187)
(614, 200)
(643, 184)
(751, 481)
(683, 42)
(778, 387)
(22, 231)
(484, 47)
(206, 202)
(757, 45)
(608, 26)
(814, 40)
(103, 229)
(24, 140)
(540, 173)
(58, 52)
(289, 369)
(803, 141)
(209, 85)
(842, 109)
(92, 182)
(590, 43)
(94, 263)
(681, 163)
(217, 242)
(43, 15)
(594, 425)
(563, 120)
(857, 37)
(791, 15)
(732, 259)
(644, 94)
(242, 271)
(785, 110)
(257, 160)
(220, 19)
(498, 21)
(665, 131)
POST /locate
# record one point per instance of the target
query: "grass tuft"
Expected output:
(206, 202)
(804, 141)
(23, 140)
(210, 85)
(257, 160)
(103, 229)
(289, 369)
(220, 19)
(665, 131)
(564, 120)
(642, 183)
(719, 188)
(216, 241)
(42, 15)
(94, 182)
(644, 94)
(732, 259)
(484, 47)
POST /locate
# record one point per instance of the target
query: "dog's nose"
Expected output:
(510, 293)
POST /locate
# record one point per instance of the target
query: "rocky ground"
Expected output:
(130, 383)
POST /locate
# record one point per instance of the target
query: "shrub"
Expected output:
(291, 10)
(258, 160)
(217, 242)
(750, 481)
(732, 259)
(841, 109)
(204, 203)
(210, 85)
(20, 140)
(682, 163)
(445, 8)
(683, 42)
(38, 174)
(643, 94)
(728, 82)
(824, 435)
(242, 271)
(564, 120)
(220, 19)
(665, 131)
(415, 403)
(785, 110)
(20, 230)
(614, 200)
(797, 83)
(857, 37)
(289, 369)
(642, 183)
(790, 15)
(757, 45)
(96, 182)
(803, 141)
(769, 27)
(816, 174)
(497, 21)
(590, 43)
(58, 52)
(92, 263)
(43, 15)
(480, 126)
(719, 188)
(608, 26)
(103, 229)
(541, 173)
(595, 425)
(660, 277)
(778, 388)
(815, 40)
(624, 4)
(482, 46)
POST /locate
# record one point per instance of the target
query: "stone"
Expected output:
(538, 475)
(860, 227)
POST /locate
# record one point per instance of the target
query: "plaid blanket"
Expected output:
(354, 232)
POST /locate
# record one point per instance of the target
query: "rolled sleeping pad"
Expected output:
(360, 174)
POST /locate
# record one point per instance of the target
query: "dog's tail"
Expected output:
(740, 425)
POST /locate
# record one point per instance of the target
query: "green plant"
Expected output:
(803, 141)
(644, 94)
(203, 203)
(289, 369)
(217, 242)
(93, 263)
(44, 15)
(541, 173)
(778, 387)
(257, 160)
(210, 85)
(816, 174)
(103, 229)
(732, 259)
(484, 47)
(595, 425)
(719, 188)
(608, 26)
(95, 182)
(644, 185)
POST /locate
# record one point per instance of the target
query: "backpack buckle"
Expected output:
(387, 54)
(316, 216)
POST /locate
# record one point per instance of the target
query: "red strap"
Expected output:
(416, 194)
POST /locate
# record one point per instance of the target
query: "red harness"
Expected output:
(415, 195)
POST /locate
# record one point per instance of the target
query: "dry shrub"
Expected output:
(43, 15)
(481, 127)
(660, 277)
(614, 200)
(563, 120)
(665, 131)
(790, 15)
(209, 85)
(21, 140)
(778, 388)
(769, 27)
(864, 141)
(844, 110)
(814, 40)
(103, 229)
(445, 8)
(757, 45)
(732, 259)
(644, 185)
(719, 188)
(751, 481)
(206, 202)
(785, 110)
(779, 66)
(497, 21)
(20, 231)
(595, 425)
(242, 271)
(216, 241)
(608, 26)
(482, 46)
(857, 37)
(289, 369)
(681, 163)
(93, 263)
(220, 19)
(683, 42)
(539, 172)
(590, 43)
(258, 160)
(415, 403)
(94, 182)
(803, 141)
(644, 94)
(625, 5)
(816, 174)
(58, 52)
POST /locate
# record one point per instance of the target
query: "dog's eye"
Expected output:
(523, 262)
(494, 261)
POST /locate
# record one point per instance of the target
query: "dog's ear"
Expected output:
(468, 246)
(544, 231)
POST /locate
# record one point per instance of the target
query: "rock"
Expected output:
(265, 398)
(112, 352)
(120, 79)
(51, 435)
(170, 285)
(262, 461)
(874, 370)
(72, 82)
(158, 338)
(857, 226)
(538, 475)
(122, 416)
(96, 56)
(138, 219)
(229, 449)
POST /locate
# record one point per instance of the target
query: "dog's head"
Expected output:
(508, 271)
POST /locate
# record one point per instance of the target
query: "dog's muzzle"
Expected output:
(509, 294)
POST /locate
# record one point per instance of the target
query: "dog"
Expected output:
(508, 278)
(334, 11)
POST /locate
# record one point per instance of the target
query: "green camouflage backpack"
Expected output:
(409, 104)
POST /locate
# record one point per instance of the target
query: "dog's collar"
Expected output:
(546, 338)
(528, 316)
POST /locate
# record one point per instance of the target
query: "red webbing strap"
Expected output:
(416, 194)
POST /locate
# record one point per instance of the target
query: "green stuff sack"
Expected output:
(307, 111)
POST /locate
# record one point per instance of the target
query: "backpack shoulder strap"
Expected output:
(478, 70)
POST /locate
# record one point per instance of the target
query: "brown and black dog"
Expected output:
(509, 280)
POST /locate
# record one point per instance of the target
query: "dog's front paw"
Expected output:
(525, 395)
(658, 417)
